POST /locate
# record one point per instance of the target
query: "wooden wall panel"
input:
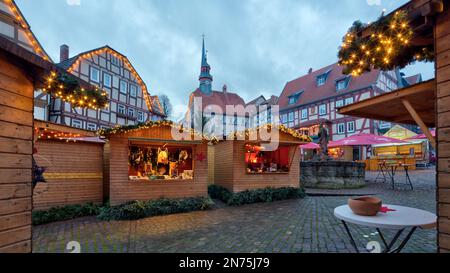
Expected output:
(74, 173)
(442, 40)
(16, 135)
(223, 164)
(123, 190)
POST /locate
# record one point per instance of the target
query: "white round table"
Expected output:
(400, 219)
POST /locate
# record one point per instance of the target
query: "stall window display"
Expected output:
(259, 161)
(160, 163)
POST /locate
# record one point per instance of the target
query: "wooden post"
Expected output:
(419, 122)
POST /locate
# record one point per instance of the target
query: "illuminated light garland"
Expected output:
(154, 124)
(387, 46)
(281, 128)
(18, 16)
(65, 87)
(133, 71)
(45, 134)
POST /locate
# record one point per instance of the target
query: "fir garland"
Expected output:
(152, 124)
(387, 46)
(268, 127)
(66, 88)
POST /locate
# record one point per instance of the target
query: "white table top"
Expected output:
(403, 217)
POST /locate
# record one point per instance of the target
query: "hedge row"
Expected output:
(142, 209)
(65, 213)
(254, 196)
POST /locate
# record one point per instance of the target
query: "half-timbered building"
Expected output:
(314, 98)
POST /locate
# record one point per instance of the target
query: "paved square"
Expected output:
(294, 226)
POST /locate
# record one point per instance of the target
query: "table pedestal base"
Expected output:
(388, 246)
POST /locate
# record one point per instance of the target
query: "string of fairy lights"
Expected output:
(18, 16)
(267, 127)
(66, 88)
(387, 46)
(115, 54)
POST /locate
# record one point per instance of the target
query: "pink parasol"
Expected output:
(310, 146)
(364, 140)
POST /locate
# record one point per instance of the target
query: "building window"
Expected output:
(123, 87)
(95, 74)
(323, 109)
(77, 124)
(293, 99)
(351, 127)
(284, 119)
(114, 60)
(291, 117)
(130, 112)
(140, 116)
(341, 128)
(133, 90)
(106, 80)
(121, 109)
(322, 79)
(104, 127)
(342, 84)
(91, 127)
(304, 114)
(339, 103)
(349, 101)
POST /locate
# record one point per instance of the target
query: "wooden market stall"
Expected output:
(246, 163)
(150, 161)
(73, 159)
(425, 104)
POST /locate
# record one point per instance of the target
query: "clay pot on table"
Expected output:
(365, 206)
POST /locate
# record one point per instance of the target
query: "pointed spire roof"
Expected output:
(205, 68)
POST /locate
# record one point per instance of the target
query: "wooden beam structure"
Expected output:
(390, 106)
(419, 122)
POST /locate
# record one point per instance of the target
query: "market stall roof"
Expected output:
(391, 106)
(50, 126)
(286, 136)
(364, 140)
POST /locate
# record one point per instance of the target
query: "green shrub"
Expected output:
(141, 209)
(64, 213)
(254, 196)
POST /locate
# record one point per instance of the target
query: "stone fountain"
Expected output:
(325, 173)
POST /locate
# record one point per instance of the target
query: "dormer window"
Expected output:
(342, 84)
(293, 99)
(322, 79)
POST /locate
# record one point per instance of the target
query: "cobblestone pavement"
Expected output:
(293, 226)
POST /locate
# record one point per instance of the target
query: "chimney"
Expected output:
(310, 70)
(63, 53)
(224, 88)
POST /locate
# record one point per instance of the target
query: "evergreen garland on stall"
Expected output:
(387, 46)
(65, 87)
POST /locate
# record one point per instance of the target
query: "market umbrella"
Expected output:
(364, 140)
(310, 146)
(422, 136)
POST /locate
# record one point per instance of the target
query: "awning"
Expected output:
(364, 140)
(411, 105)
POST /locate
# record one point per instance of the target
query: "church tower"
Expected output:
(205, 76)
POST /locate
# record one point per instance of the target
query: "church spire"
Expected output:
(205, 76)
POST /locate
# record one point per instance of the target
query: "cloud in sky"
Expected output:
(255, 46)
(73, 2)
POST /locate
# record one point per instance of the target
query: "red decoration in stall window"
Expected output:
(200, 157)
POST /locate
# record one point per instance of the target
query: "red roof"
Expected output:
(312, 92)
(414, 79)
(219, 98)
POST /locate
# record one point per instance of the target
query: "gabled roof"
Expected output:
(312, 92)
(219, 98)
(414, 79)
(70, 63)
(20, 19)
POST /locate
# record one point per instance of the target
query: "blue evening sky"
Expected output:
(255, 46)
